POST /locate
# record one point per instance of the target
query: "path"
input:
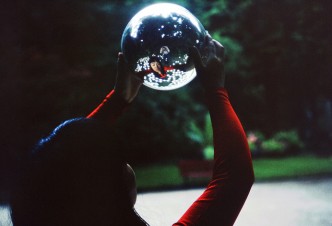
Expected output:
(292, 203)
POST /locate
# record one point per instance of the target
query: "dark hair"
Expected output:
(74, 177)
(156, 59)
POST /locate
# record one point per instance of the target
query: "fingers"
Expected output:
(207, 39)
(219, 50)
(196, 57)
(212, 49)
(121, 61)
(121, 65)
(120, 56)
(124, 71)
(209, 49)
(127, 84)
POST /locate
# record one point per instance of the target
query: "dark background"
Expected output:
(58, 61)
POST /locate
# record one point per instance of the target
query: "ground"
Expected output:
(288, 203)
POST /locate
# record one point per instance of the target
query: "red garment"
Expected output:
(233, 174)
(110, 108)
(166, 68)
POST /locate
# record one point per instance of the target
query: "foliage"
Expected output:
(59, 61)
(157, 128)
(255, 139)
(280, 144)
(203, 136)
(266, 169)
(208, 152)
(279, 47)
(158, 176)
(273, 145)
(290, 138)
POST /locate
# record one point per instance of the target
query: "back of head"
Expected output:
(73, 177)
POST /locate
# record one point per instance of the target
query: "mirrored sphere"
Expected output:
(155, 44)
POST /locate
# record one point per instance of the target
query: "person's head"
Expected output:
(76, 177)
(155, 65)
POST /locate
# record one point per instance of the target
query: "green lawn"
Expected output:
(158, 176)
(292, 168)
(167, 175)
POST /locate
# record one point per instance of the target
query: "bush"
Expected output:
(290, 139)
(280, 144)
(203, 136)
(255, 139)
(273, 146)
(208, 152)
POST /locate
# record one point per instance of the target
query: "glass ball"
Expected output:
(155, 44)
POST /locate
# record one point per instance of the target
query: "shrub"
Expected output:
(208, 152)
(290, 139)
(273, 146)
(203, 136)
(281, 143)
(255, 139)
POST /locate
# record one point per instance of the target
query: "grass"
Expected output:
(292, 168)
(167, 176)
(158, 177)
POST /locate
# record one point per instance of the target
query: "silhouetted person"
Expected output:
(76, 176)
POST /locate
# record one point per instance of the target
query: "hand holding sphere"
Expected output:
(127, 84)
(156, 43)
(210, 68)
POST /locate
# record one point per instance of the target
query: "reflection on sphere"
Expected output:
(155, 44)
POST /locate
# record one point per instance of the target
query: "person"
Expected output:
(160, 71)
(157, 69)
(76, 177)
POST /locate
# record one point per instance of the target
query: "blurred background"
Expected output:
(58, 61)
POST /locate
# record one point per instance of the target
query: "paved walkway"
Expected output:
(293, 203)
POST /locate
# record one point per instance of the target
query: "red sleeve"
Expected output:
(167, 68)
(110, 108)
(233, 174)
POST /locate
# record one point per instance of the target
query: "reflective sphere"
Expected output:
(155, 44)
